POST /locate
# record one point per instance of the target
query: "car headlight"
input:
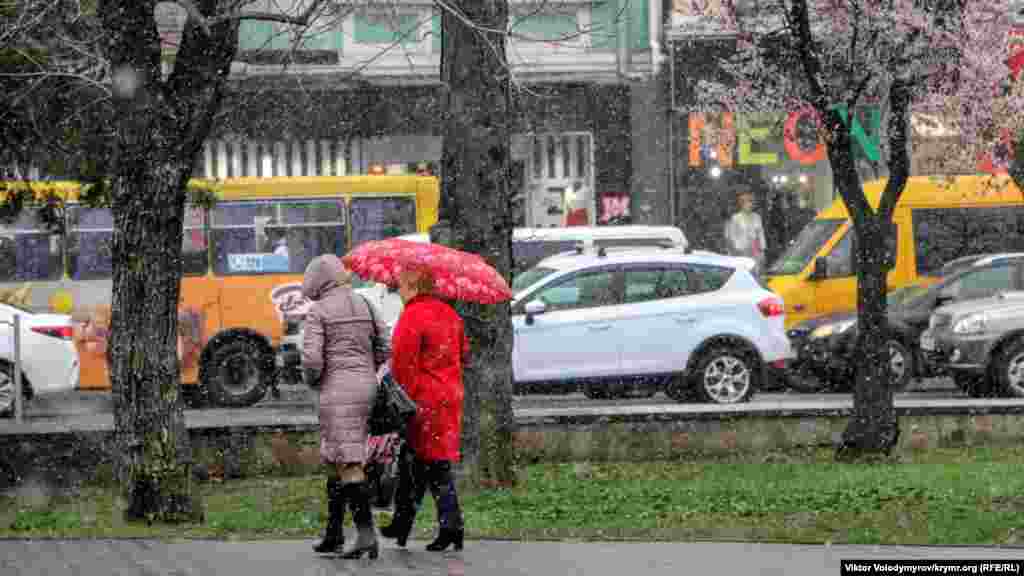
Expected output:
(973, 324)
(834, 328)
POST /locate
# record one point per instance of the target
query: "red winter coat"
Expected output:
(428, 348)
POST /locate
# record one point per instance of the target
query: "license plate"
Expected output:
(927, 342)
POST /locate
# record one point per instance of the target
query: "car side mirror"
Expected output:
(820, 270)
(534, 308)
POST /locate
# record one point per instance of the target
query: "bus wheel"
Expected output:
(235, 373)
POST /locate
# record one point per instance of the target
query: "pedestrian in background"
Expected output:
(338, 359)
(744, 232)
(429, 348)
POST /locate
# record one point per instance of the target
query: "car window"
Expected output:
(527, 278)
(707, 278)
(840, 260)
(642, 285)
(981, 283)
(587, 290)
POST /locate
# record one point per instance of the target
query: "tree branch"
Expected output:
(207, 23)
(899, 157)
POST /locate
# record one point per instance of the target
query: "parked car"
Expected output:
(825, 346)
(698, 326)
(49, 359)
(980, 344)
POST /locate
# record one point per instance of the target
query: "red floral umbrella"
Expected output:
(457, 275)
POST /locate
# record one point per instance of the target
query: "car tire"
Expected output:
(901, 365)
(236, 374)
(680, 389)
(726, 375)
(975, 386)
(6, 389)
(1009, 370)
(596, 390)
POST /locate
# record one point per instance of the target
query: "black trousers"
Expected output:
(414, 478)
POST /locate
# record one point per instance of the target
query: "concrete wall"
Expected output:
(629, 433)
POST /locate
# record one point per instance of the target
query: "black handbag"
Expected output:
(392, 410)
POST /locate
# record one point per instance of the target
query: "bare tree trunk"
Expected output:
(160, 126)
(476, 165)
(874, 428)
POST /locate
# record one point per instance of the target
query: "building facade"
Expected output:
(361, 94)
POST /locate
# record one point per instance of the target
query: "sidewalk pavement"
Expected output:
(497, 558)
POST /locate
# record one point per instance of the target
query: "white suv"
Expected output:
(699, 326)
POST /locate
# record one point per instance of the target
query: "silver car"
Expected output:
(980, 343)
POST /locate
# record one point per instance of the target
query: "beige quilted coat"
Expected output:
(337, 342)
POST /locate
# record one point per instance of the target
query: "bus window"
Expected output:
(379, 218)
(27, 251)
(312, 228)
(275, 237)
(90, 233)
(240, 241)
(193, 244)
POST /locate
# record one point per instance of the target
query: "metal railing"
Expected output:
(19, 408)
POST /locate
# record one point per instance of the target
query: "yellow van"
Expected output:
(937, 219)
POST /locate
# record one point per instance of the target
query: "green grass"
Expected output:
(951, 496)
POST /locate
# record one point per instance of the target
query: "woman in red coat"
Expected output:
(428, 348)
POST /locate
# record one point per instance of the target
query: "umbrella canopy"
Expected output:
(457, 275)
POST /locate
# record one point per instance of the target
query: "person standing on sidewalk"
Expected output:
(338, 359)
(429, 348)
(744, 232)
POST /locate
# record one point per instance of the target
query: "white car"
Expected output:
(49, 359)
(697, 325)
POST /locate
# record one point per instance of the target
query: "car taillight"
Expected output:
(62, 332)
(771, 307)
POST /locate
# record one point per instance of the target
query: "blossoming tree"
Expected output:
(941, 58)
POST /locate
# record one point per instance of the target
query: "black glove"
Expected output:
(311, 376)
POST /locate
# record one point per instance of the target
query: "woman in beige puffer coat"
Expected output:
(338, 359)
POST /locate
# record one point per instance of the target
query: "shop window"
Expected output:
(28, 252)
(378, 218)
(89, 243)
(275, 237)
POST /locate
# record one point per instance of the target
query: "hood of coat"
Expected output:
(324, 273)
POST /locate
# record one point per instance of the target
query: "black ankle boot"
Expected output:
(366, 542)
(334, 536)
(446, 538)
(399, 529)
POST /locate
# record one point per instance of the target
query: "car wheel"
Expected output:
(1009, 369)
(901, 365)
(973, 385)
(680, 389)
(726, 376)
(6, 389)
(595, 390)
(236, 374)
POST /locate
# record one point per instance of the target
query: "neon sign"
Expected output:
(752, 135)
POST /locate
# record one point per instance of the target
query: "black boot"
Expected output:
(446, 538)
(334, 536)
(449, 514)
(399, 529)
(366, 542)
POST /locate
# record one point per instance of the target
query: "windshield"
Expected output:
(528, 277)
(806, 245)
(907, 294)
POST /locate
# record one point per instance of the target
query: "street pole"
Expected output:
(19, 409)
